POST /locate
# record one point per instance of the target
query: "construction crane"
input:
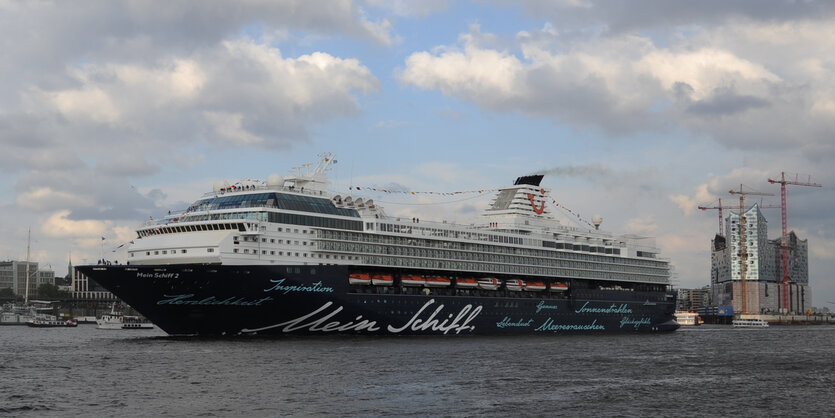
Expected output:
(743, 251)
(721, 224)
(721, 219)
(785, 241)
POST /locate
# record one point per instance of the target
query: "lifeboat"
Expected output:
(437, 281)
(360, 279)
(466, 283)
(515, 284)
(412, 280)
(534, 286)
(382, 280)
(489, 283)
(559, 287)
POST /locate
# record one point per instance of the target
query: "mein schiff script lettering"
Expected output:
(321, 320)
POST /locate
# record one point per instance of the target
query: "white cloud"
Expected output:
(59, 226)
(628, 83)
(41, 197)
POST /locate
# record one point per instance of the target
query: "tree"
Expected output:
(6, 293)
(50, 291)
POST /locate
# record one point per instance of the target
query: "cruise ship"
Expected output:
(288, 257)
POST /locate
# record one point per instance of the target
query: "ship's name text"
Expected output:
(142, 275)
(188, 299)
(613, 309)
(279, 286)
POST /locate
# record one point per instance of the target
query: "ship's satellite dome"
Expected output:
(221, 185)
(275, 180)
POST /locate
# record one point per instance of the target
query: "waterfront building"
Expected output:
(763, 272)
(13, 276)
(83, 288)
(692, 300)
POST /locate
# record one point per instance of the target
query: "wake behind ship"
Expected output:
(288, 257)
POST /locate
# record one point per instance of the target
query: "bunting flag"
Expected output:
(388, 191)
(576, 215)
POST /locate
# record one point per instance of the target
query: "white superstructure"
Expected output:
(296, 221)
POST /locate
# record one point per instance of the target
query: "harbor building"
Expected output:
(692, 300)
(13, 276)
(85, 289)
(763, 267)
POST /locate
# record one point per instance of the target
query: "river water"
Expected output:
(709, 370)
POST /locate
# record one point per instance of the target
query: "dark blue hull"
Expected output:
(219, 300)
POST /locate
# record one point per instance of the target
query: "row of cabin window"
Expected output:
(183, 251)
(281, 253)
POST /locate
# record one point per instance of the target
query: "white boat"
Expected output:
(687, 318)
(46, 322)
(115, 320)
(750, 323)
(12, 314)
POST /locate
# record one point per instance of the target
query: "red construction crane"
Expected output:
(743, 251)
(785, 241)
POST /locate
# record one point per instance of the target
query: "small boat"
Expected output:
(437, 281)
(52, 323)
(515, 284)
(687, 318)
(559, 287)
(115, 320)
(382, 280)
(489, 283)
(750, 323)
(534, 286)
(466, 283)
(412, 280)
(359, 279)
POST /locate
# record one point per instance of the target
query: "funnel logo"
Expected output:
(541, 207)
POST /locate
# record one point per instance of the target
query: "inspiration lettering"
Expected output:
(279, 286)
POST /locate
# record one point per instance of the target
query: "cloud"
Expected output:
(58, 225)
(620, 17)
(722, 83)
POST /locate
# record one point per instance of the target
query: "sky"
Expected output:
(115, 112)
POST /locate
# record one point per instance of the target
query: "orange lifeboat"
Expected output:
(437, 281)
(535, 286)
(382, 279)
(559, 287)
(466, 283)
(412, 280)
(359, 279)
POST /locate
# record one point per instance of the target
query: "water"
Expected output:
(699, 371)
